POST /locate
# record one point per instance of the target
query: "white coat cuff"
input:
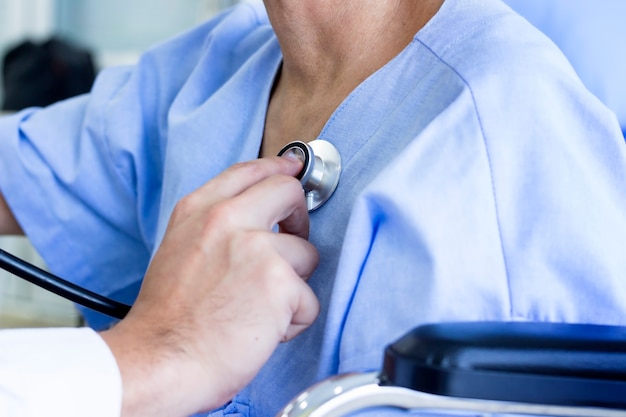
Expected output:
(66, 372)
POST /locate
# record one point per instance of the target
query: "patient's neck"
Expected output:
(329, 47)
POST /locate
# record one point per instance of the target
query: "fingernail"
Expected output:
(294, 154)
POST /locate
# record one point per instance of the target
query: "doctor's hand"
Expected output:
(221, 293)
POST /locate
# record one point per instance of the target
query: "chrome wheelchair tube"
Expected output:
(340, 395)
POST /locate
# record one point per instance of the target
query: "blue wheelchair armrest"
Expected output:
(545, 363)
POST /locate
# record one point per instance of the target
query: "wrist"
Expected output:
(159, 378)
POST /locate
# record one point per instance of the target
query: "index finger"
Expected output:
(243, 175)
(275, 200)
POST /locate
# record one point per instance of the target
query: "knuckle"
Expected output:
(288, 182)
(220, 216)
(256, 243)
(253, 169)
(288, 186)
(185, 206)
(240, 166)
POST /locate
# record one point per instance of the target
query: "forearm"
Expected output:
(8, 224)
(156, 372)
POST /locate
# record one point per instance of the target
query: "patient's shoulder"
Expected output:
(485, 42)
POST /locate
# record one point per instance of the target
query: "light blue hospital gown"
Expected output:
(481, 181)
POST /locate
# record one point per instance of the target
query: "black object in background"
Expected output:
(544, 363)
(39, 74)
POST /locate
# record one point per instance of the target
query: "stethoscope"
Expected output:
(319, 178)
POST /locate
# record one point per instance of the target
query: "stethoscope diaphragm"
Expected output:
(320, 174)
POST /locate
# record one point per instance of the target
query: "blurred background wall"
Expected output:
(115, 32)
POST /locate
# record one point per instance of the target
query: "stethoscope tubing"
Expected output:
(61, 287)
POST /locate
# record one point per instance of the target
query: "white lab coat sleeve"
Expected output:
(66, 372)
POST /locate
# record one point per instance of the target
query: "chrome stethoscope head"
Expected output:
(320, 174)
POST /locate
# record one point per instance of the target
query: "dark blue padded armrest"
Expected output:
(543, 363)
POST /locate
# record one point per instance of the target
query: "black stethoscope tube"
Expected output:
(61, 287)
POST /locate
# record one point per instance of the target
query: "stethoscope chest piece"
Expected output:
(322, 167)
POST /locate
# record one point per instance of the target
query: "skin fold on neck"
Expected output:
(330, 47)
